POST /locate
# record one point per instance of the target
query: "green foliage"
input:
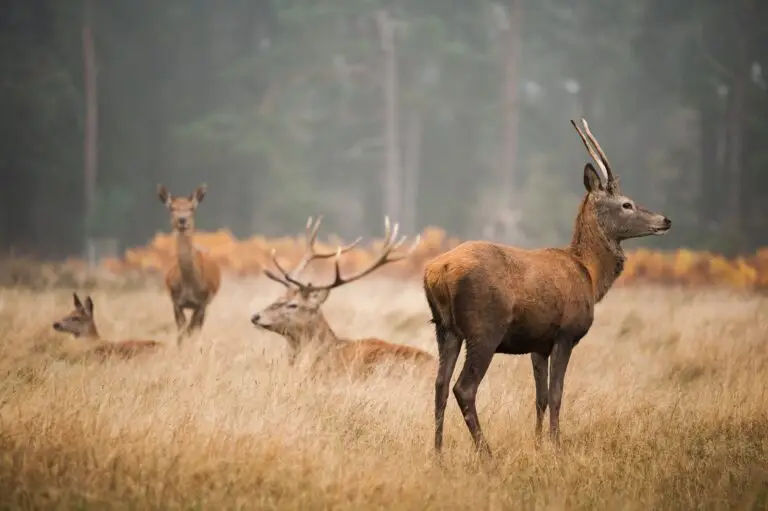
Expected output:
(112, 212)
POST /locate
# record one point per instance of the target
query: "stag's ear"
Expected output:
(317, 297)
(89, 305)
(77, 302)
(592, 181)
(199, 194)
(163, 194)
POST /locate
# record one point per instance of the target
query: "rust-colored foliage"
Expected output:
(681, 267)
(248, 257)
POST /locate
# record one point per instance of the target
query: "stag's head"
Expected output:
(79, 322)
(182, 209)
(298, 308)
(618, 216)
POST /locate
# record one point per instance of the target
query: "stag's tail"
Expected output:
(438, 293)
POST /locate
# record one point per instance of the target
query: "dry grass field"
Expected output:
(665, 407)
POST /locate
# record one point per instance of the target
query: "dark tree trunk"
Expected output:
(91, 109)
(392, 179)
(508, 178)
(711, 178)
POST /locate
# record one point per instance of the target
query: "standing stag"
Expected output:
(296, 315)
(81, 323)
(502, 299)
(194, 278)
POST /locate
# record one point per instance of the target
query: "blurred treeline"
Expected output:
(451, 113)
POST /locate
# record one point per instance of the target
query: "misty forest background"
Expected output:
(451, 113)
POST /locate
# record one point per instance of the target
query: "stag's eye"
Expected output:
(292, 305)
(628, 206)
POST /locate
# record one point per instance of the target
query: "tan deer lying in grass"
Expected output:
(502, 299)
(194, 279)
(81, 324)
(296, 315)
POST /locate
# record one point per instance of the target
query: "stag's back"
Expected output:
(364, 357)
(376, 351)
(480, 285)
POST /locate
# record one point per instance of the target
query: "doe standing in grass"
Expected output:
(502, 299)
(194, 278)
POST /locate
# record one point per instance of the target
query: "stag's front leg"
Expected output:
(561, 353)
(178, 315)
(540, 373)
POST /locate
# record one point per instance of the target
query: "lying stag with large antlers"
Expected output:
(296, 315)
(502, 299)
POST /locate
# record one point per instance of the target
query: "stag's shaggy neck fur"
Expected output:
(187, 259)
(601, 256)
(318, 331)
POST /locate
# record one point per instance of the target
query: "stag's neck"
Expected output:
(318, 332)
(602, 257)
(187, 259)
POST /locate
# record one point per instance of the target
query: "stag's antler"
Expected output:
(597, 153)
(310, 253)
(385, 257)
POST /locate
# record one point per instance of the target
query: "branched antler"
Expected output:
(310, 253)
(391, 243)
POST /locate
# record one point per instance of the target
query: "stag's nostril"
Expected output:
(255, 319)
(667, 222)
(56, 326)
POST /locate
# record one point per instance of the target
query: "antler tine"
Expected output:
(603, 157)
(277, 279)
(286, 281)
(310, 254)
(383, 258)
(288, 278)
(592, 152)
(312, 229)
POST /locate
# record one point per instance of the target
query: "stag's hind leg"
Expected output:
(540, 373)
(479, 356)
(449, 347)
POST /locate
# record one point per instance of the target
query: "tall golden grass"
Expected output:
(665, 408)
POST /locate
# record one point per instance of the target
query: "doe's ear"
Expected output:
(89, 305)
(163, 194)
(76, 301)
(592, 181)
(317, 297)
(199, 194)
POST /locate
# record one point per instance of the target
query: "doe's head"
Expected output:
(182, 209)
(79, 322)
(618, 216)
